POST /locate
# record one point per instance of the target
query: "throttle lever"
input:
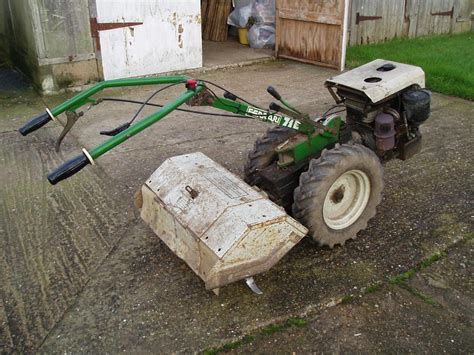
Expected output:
(115, 131)
(274, 107)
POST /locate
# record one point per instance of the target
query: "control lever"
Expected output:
(115, 131)
(274, 107)
(272, 91)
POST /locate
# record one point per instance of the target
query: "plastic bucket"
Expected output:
(243, 36)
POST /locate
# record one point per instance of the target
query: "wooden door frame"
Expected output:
(344, 23)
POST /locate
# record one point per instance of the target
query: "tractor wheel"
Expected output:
(339, 193)
(263, 153)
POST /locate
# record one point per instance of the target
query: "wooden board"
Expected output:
(375, 21)
(379, 21)
(312, 31)
(214, 15)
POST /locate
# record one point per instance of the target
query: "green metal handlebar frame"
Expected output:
(317, 138)
(84, 98)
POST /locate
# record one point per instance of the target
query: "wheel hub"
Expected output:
(346, 199)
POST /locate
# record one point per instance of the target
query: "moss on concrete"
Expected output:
(265, 331)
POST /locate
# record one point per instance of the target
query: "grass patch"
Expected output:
(425, 298)
(431, 259)
(446, 60)
(468, 237)
(405, 276)
(398, 279)
(273, 328)
(266, 331)
(297, 322)
(374, 287)
(347, 299)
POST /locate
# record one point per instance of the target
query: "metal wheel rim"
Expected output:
(346, 199)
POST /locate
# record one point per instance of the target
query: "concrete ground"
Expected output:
(80, 272)
(222, 54)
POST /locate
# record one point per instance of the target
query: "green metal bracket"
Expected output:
(299, 148)
(261, 114)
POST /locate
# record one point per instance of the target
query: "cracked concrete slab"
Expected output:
(417, 317)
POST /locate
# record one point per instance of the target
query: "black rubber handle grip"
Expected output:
(68, 169)
(274, 107)
(230, 96)
(35, 123)
(272, 91)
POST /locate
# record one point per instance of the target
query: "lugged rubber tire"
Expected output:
(263, 153)
(339, 163)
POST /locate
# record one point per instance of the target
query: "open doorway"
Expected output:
(222, 44)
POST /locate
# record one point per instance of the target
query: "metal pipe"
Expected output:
(81, 98)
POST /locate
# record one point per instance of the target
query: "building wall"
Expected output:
(50, 41)
(65, 48)
(4, 24)
(20, 35)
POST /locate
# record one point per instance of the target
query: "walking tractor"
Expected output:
(319, 176)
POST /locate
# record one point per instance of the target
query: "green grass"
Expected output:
(266, 331)
(432, 259)
(448, 60)
(347, 299)
(397, 279)
(273, 328)
(405, 276)
(468, 237)
(425, 298)
(297, 322)
(373, 287)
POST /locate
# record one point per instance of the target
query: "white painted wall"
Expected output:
(168, 40)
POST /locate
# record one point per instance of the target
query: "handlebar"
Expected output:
(272, 91)
(35, 123)
(68, 169)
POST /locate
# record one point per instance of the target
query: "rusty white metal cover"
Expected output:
(377, 84)
(221, 227)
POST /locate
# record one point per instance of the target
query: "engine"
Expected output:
(385, 104)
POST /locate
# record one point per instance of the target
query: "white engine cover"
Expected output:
(377, 85)
(221, 227)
